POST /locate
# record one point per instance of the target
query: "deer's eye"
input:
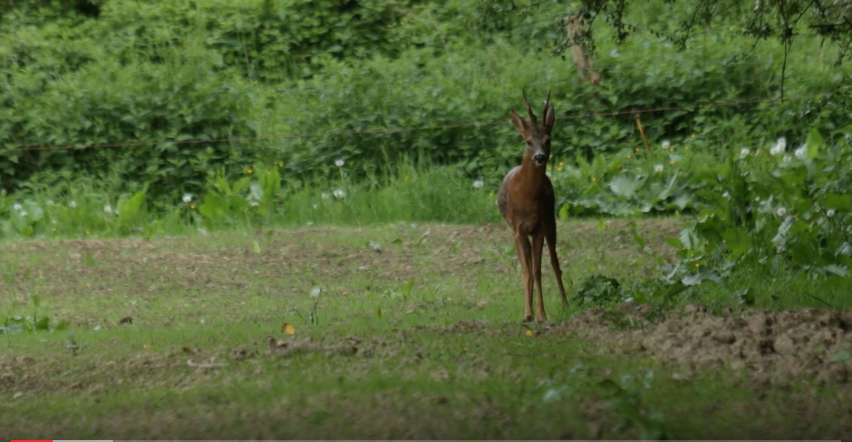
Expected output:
(529, 143)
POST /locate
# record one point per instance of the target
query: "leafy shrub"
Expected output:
(154, 106)
(268, 40)
(452, 109)
(634, 181)
(769, 211)
(597, 291)
(776, 212)
(410, 77)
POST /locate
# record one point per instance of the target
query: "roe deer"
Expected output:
(527, 203)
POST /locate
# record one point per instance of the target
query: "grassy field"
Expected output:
(400, 331)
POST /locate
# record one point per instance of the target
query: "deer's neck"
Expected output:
(530, 175)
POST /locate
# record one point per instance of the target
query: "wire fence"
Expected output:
(411, 128)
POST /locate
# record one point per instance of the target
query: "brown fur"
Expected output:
(527, 203)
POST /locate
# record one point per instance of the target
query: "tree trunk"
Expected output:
(579, 51)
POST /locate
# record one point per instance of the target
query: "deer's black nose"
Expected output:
(539, 159)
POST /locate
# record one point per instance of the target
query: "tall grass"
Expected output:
(408, 191)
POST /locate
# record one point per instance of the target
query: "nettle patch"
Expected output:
(785, 212)
(771, 211)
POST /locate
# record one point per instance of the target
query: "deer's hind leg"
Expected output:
(550, 233)
(537, 245)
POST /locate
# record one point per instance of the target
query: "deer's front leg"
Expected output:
(522, 245)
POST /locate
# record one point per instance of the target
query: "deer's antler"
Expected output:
(527, 105)
(546, 103)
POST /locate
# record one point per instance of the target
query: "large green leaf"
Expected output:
(625, 186)
(737, 240)
(836, 201)
(215, 206)
(128, 208)
(704, 274)
(814, 143)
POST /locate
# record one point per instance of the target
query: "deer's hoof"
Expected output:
(527, 320)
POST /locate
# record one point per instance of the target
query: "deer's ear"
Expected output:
(549, 118)
(519, 123)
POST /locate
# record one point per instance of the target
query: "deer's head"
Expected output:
(536, 136)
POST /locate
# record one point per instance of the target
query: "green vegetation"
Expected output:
(431, 314)
(761, 212)
(152, 77)
(181, 179)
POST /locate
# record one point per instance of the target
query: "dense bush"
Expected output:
(787, 211)
(420, 78)
(464, 86)
(766, 215)
(156, 105)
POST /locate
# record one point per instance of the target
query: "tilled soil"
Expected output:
(775, 348)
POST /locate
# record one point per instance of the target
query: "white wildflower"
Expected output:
(800, 152)
(787, 158)
(186, 198)
(829, 213)
(666, 144)
(478, 183)
(658, 168)
(325, 196)
(339, 193)
(254, 203)
(72, 204)
(780, 211)
(108, 209)
(779, 147)
(726, 195)
(17, 207)
(315, 207)
(23, 213)
(339, 162)
(744, 152)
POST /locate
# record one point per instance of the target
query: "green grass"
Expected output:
(89, 208)
(446, 359)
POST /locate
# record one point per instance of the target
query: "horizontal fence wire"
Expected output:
(412, 128)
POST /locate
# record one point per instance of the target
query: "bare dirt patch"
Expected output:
(775, 348)
(767, 348)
